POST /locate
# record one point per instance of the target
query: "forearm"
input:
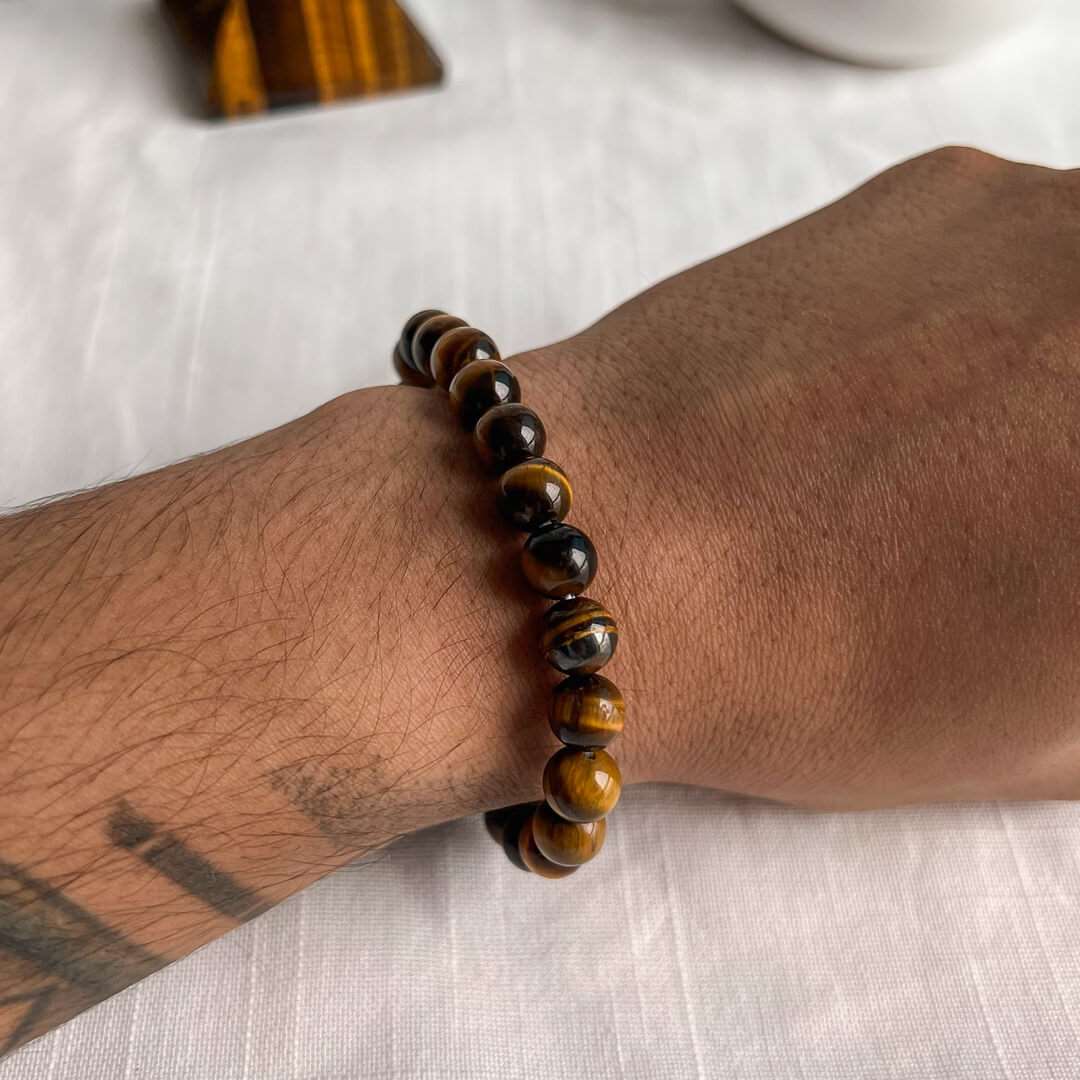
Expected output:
(221, 680)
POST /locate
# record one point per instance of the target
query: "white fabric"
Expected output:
(168, 285)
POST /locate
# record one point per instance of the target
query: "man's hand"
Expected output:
(836, 478)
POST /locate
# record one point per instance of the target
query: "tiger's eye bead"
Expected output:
(427, 334)
(566, 843)
(532, 857)
(408, 375)
(504, 827)
(534, 493)
(480, 386)
(408, 332)
(582, 785)
(509, 434)
(586, 711)
(458, 347)
(579, 636)
(558, 560)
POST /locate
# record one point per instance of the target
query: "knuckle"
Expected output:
(962, 161)
(940, 170)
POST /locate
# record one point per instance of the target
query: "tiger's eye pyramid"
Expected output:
(270, 54)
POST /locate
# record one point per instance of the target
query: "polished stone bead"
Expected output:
(426, 336)
(504, 826)
(534, 493)
(566, 843)
(579, 636)
(534, 859)
(582, 785)
(586, 711)
(407, 374)
(408, 333)
(558, 560)
(509, 434)
(480, 386)
(458, 347)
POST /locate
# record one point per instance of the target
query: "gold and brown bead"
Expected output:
(403, 353)
(534, 493)
(458, 347)
(579, 636)
(426, 336)
(534, 859)
(558, 560)
(407, 374)
(566, 843)
(582, 785)
(480, 386)
(508, 435)
(586, 711)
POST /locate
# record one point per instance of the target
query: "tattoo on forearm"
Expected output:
(51, 944)
(37, 1004)
(325, 795)
(57, 959)
(194, 873)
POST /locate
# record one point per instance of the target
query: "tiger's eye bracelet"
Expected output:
(581, 781)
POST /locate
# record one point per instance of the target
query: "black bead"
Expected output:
(408, 333)
(408, 375)
(504, 827)
(508, 434)
(579, 637)
(559, 560)
(425, 337)
(480, 386)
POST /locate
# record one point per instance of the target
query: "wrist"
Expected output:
(683, 573)
(462, 706)
(423, 699)
(655, 575)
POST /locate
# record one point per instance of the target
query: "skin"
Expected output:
(832, 478)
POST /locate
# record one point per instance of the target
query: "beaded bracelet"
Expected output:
(581, 781)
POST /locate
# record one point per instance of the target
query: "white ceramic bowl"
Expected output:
(903, 33)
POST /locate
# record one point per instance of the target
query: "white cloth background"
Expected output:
(168, 285)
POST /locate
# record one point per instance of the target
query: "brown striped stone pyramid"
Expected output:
(267, 54)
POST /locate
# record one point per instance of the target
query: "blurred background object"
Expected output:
(897, 33)
(266, 54)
